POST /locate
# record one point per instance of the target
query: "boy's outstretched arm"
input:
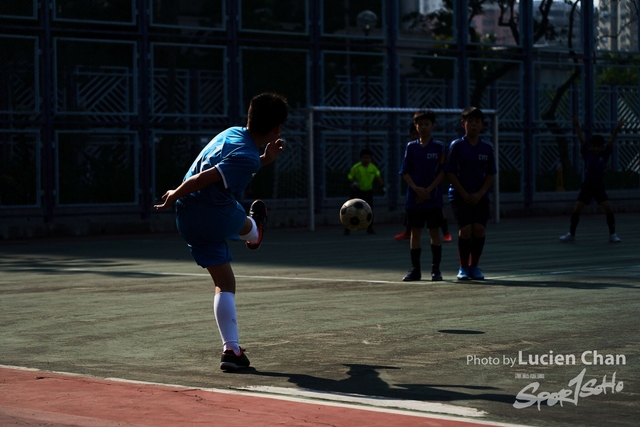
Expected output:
(194, 183)
(615, 133)
(576, 123)
(272, 151)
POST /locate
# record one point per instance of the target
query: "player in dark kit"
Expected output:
(470, 167)
(406, 233)
(595, 156)
(422, 170)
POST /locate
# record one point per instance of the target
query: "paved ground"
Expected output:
(321, 312)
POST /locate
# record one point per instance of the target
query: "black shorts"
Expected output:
(417, 218)
(367, 196)
(471, 214)
(592, 191)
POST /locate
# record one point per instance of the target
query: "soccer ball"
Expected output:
(356, 214)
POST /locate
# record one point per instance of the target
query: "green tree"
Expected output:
(273, 15)
(625, 74)
(485, 74)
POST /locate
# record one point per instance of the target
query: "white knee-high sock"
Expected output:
(253, 234)
(224, 307)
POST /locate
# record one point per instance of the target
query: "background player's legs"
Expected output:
(446, 236)
(463, 215)
(436, 253)
(575, 218)
(471, 237)
(477, 243)
(611, 221)
(224, 306)
(406, 233)
(415, 247)
(464, 245)
(480, 216)
(416, 236)
(434, 234)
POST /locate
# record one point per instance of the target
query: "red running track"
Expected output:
(38, 398)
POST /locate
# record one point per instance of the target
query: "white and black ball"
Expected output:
(356, 214)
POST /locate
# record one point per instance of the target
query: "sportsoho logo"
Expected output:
(577, 388)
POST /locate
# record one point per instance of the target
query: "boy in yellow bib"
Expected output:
(362, 175)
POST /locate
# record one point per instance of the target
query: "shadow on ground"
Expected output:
(365, 380)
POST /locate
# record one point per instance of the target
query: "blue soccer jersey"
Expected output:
(423, 163)
(233, 152)
(206, 218)
(471, 164)
(594, 164)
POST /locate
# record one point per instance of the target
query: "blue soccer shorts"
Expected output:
(206, 228)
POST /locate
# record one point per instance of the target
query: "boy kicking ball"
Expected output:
(595, 156)
(207, 213)
(470, 167)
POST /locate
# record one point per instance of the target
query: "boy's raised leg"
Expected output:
(258, 213)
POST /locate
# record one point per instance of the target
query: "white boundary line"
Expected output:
(318, 279)
(364, 403)
(523, 275)
(561, 272)
(165, 273)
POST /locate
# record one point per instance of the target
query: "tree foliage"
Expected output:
(483, 74)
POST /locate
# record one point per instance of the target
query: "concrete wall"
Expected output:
(286, 214)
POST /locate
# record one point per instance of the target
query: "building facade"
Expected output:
(105, 104)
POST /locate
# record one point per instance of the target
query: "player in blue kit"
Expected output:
(595, 156)
(207, 213)
(470, 168)
(422, 171)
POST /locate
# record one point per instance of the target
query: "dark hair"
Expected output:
(597, 140)
(472, 112)
(267, 111)
(365, 152)
(424, 114)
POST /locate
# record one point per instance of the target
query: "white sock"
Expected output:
(253, 234)
(224, 307)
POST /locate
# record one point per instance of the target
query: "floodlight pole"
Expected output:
(311, 171)
(496, 178)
